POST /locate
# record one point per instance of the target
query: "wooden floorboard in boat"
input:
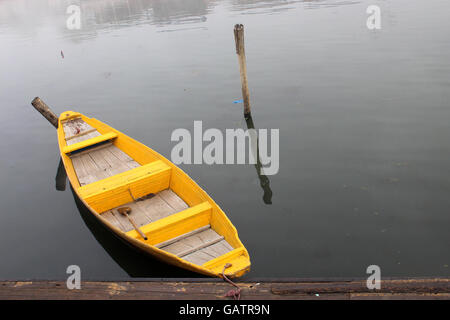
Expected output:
(83, 137)
(74, 131)
(203, 255)
(75, 127)
(101, 163)
(146, 211)
(191, 242)
(200, 247)
(174, 201)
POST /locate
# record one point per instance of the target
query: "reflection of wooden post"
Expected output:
(263, 180)
(48, 114)
(240, 51)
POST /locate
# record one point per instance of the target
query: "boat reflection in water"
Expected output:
(135, 263)
(61, 177)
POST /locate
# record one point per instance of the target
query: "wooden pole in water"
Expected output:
(48, 114)
(240, 51)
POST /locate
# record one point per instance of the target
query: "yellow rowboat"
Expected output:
(146, 200)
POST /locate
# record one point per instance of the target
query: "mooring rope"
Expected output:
(236, 294)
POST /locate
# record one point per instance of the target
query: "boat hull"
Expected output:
(201, 210)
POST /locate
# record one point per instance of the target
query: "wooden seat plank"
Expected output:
(89, 143)
(82, 138)
(74, 127)
(81, 134)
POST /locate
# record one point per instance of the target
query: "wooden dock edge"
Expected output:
(432, 288)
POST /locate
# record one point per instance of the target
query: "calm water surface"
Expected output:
(363, 116)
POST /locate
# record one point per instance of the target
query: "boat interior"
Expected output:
(115, 171)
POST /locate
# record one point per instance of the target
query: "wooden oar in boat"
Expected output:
(125, 211)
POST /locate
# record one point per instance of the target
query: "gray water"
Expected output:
(363, 117)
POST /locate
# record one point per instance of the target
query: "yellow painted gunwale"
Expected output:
(193, 193)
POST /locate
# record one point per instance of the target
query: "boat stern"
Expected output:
(233, 264)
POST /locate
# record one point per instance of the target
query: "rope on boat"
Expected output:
(236, 294)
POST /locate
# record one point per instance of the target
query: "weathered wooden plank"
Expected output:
(138, 215)
(67, 130)
(218, 249)
(100, 163)
(156, 208)
(89, 143)
(92, 168)
(120, 154)
(81, 134)
(111, 158)
(79, 168)
(387, 286)
(173, 200)
(166, 243)
(87, 180)
(75, 126)
(204, 245)
(106, 164)
(210, 289)
(119, 164)
(194, 242)
(126, 225)
(99, 160)
(83, 137)
(123, 157)
(146, 211)
(84, 177)
(209, 252)
(199, 257)
(108, 215)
